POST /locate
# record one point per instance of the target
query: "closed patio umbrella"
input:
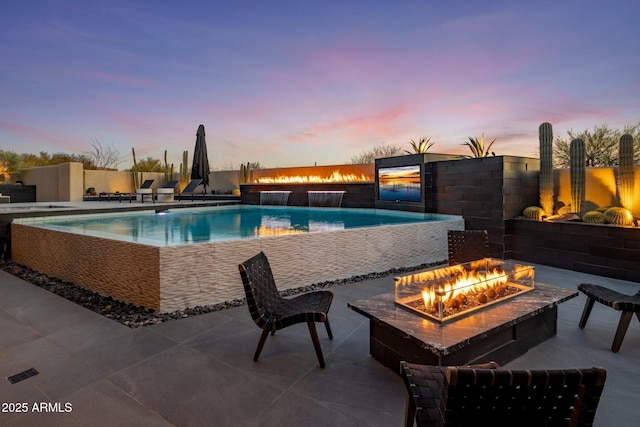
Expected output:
(200, 168)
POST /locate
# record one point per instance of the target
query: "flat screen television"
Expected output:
(399, 183)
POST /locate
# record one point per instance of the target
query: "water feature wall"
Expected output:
(325, 199)
(280, 198)
(354, 194)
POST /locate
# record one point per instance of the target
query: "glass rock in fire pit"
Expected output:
(447, 293)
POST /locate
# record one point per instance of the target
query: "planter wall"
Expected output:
(604, 250)
(486, 192)
(19, 193)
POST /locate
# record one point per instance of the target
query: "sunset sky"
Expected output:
(293, 83)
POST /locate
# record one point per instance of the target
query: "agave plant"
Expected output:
(420, 147)
(477, 147)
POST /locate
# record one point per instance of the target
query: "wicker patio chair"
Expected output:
(628, 304)
(270, 311)
(467, 245)
(463, 396)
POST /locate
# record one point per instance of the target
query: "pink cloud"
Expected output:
(376, 124)
(53, 140)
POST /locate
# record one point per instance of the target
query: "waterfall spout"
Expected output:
(280, 198)
(325, 199)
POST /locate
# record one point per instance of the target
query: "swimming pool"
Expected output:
(189, 257)
(199, 225)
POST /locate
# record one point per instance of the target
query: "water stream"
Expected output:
(325, 199)
(280, 198)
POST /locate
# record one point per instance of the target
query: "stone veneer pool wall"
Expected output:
(176, 277)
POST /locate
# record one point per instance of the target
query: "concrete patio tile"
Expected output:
(14, 332)
(293, 409)
(188, 388)
(59, 372)
(100, 404)
(15, 292)
(191, 328)
(361, 387)
(25, 391)
(112, 355)
(199, 370)
(88, 334)
(49, 313)
(283, 360)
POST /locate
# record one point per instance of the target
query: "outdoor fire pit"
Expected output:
(429, 319)
(451, 292)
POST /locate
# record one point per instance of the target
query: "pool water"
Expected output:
(199, 225)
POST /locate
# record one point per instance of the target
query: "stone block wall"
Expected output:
(604, 250)
(486, 192)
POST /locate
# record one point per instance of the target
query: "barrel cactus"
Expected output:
(594, 217)
(545, 132)
(625, 172)
(577, 175)
(618, 216)
(533, 212)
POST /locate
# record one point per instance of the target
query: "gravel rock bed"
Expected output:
(134, 316)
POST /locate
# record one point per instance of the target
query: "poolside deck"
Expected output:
(61, 208)
(199, 371)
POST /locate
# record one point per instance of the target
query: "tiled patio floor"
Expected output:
(199, 371)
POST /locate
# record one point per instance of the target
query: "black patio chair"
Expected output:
(270, 311)
(627, 304)
(467, 245)
(464, 396)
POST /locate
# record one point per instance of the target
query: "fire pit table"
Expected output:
(430, 320)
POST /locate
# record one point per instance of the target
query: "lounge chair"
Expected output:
(166, 193)
(463, 396)
(270, 311)
(627, 304)
(467, 245)
(190, 189)
(146, 185)
(170, 184)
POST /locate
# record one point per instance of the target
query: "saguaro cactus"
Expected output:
(134, 170)
(545, 132)
(245, 173)
(184, 170)
(166, 168)
(577, 175)
(625, 172)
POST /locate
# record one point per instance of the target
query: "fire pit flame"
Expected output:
(469, 282)
(449, 292)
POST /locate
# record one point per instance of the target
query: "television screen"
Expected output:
(399, 183)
